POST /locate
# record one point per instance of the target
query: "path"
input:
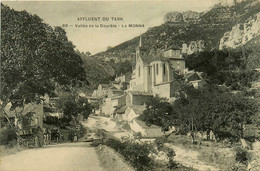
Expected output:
(65, 157)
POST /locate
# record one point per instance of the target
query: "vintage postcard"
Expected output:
(130, 85)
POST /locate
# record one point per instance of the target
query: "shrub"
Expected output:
(242, 155)
(7, 136)
(137, 154)
(160, 141)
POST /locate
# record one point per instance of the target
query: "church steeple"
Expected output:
(140, 41)
(140, 50)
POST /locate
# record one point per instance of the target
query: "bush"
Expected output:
(242, 155)
(137, 154)
(7, 136)
(160, 141)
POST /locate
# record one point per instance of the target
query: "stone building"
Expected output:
(154, 73)
(109, 105)
(36, 120)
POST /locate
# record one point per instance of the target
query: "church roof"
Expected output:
(150, 58)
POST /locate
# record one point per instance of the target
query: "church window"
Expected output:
(139, 71)
(157, 69)
(149, 70)
(164, 69)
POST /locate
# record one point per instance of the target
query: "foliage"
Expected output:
(121, 67)
(72, 106)
(7, 135)
(242, 155)
(137, 154)
(216, 109)
(97, 70)
(227, 67)
(158, 112)
(26, 120)
(210, 108)
(34, 58)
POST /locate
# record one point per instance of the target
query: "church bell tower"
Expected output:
(140, 50)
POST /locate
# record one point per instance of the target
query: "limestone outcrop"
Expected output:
(173, 17)
(194, 47)
(178, 17)
(241, 33)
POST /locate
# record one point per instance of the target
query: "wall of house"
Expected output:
(175, 85)
(136, 99)
(172, 53)
(137, 128)
(178, 64)
(113, 92)
(119, 101)
(145, 131)
(162, 90)
(108, 106)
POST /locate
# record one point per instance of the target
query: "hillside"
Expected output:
(190, 27)
(254, 58)
(97, 71)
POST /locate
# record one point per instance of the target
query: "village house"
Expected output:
(50, 108)
(151, 131)
(137, 98)
(36, 119)
(106, 90)
(128, 113)
(110, 104)
(194, 78)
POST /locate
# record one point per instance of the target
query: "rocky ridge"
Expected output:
(241, 33)
(192, 30)
(178, 17)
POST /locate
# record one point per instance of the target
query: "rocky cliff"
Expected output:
(178, 17)
(241, 33)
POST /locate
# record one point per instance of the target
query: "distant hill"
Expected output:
(97, 70)
(188, 27)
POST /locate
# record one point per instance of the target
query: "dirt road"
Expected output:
(63, 157)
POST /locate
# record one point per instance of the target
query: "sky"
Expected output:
(97, 39)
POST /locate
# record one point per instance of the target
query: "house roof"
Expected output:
(144, 125)
(117, 97)
(138, 109)
(150, 58)
(191, 76)
(140, 93)
(105, 85)
(121, 110)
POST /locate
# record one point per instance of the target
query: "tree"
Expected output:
(215, 109)
(227, 67)
(158, 112)
(72, 106)
(34, 58)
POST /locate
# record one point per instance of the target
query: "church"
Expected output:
(155, 73)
